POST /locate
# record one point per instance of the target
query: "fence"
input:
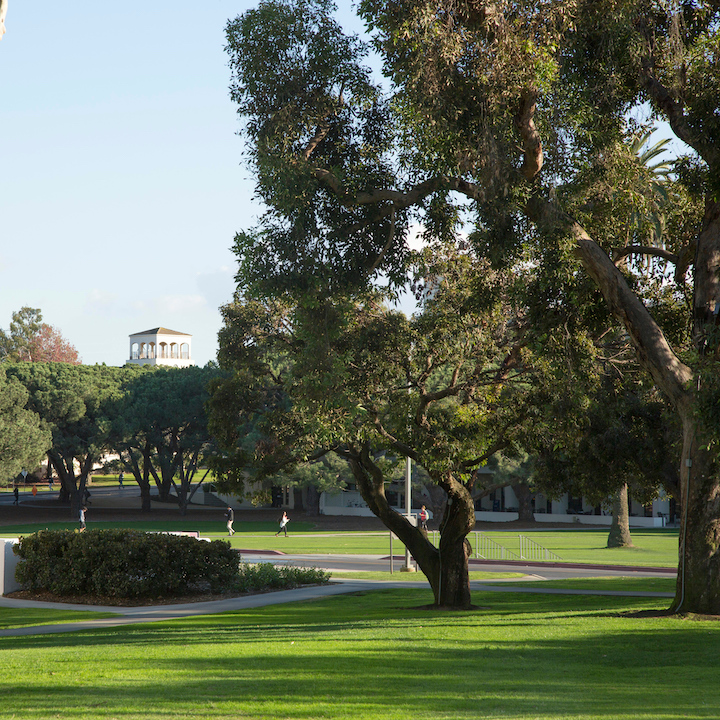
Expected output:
(530, 550)
(487, 549)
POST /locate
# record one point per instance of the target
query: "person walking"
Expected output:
(83, 510)
(423, 516)
(230, 517)
(121, 477)
(284, 520)
(16, 492)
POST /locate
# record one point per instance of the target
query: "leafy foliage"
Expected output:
(124, 564)
(23, 439)
(32, 340)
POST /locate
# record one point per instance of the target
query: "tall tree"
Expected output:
(364, 382)
(15, 345)
(29, 339)
(73, 402)
(497, 111)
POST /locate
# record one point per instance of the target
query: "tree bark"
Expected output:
(699, 557)
(524, 496)
(619, 535)
(698, 586)
(446, 567)
(312, 501)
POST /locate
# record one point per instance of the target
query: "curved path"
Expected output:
(158, 613)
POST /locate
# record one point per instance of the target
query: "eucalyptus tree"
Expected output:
(343, 373)
(31, 340)
(497, 112)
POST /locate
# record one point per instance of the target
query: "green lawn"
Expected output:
(653, 547)
(601, 584)
(26, 617)
(377, 655)
(419, 577)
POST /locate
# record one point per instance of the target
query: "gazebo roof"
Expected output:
(160, 331)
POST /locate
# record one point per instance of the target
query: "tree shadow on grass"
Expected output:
(359, 669)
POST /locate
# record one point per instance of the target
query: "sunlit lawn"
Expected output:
(419, 577)
(25, 617)
(599, 584)
(653, 547)
(377, 655)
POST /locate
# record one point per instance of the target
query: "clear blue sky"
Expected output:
(121, 178)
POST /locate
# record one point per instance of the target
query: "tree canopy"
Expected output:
(504, 123)
(23, 440)
(29, 339)
(159, 428)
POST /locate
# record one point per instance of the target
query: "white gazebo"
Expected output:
(160, 346)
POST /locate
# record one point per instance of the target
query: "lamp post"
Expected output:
(408, 509)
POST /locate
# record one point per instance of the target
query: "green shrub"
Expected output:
(124, 564)
(266, 576)
(135, 564)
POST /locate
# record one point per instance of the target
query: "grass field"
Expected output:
(27, 617)
(377, 655)
(653, 547)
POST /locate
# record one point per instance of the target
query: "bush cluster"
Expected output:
(124, 564)
(266, 576)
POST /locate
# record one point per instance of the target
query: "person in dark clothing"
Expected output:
(230, 517)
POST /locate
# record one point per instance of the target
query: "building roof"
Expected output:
(160, 331)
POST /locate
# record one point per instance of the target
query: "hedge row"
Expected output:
(266, 576)
(124, 564)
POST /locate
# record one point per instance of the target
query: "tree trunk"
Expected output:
(446, 567)
(145, 482)
(312, 501)
(524, 496)
(619, 535)
(699, 558)
(142, 477)
(453, 589)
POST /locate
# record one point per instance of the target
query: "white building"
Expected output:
(160, 346)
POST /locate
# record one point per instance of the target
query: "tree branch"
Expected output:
(654, 351)
(620, 253)
(532, 145)
(675, 114)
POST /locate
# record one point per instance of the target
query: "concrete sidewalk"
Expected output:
(161, 613)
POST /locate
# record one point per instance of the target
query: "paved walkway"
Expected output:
(159, 613)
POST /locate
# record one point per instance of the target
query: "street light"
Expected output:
(408, 509)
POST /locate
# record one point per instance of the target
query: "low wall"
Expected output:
(8, 563)
(503, 517)
(604, 520)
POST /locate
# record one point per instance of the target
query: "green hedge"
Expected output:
(266, 576)
(124, 564)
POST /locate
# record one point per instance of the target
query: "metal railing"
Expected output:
(487, 549)
(530, 550)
